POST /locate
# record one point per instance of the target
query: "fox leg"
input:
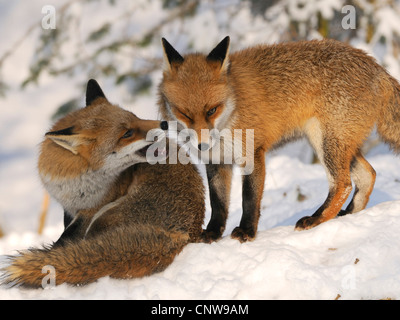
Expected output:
(75, 230)
(252, 192)
(339, 190)
(219, 183)
(363, 176)
(337, 157)
(67, 219)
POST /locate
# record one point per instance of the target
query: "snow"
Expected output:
(351, 257)
(355, 256)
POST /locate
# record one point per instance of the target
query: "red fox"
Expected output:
(326, 91)
(129, 218)
(87, 150)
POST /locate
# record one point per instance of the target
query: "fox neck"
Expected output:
(82, 192)
(87, 189)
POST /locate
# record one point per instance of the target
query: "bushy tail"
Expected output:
(125, 252)
(388, 123)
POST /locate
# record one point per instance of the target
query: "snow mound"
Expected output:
(351, 257)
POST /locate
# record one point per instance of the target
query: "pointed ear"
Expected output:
(66, 139)
(170, 56)
(220, 54)
(93, 91)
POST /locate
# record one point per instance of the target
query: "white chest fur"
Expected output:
(82, 192)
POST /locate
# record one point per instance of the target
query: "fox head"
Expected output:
(195, 91)
(101, 135)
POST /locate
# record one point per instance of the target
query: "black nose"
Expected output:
(164, 125)
(203, 146)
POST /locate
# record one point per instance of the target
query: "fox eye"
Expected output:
(211, 111)
(186, 116)
(128, 134)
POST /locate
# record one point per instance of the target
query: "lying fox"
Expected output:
(326, 91)
(129, 218)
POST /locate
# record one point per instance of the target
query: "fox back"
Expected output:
(277, 86)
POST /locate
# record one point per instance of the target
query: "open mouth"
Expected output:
(158, 152)
(142, 152)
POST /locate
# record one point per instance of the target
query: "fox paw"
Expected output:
(306, 223)
(209, 236)
(343, 213)
(243, 235)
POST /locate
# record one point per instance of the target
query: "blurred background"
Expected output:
(48, 51)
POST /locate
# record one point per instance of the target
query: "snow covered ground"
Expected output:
(352, 257)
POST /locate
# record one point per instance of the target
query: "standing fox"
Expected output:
(327, 91)
(129, 218)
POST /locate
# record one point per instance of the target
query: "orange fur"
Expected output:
(138, 216)
(98, 127)
(327, 91)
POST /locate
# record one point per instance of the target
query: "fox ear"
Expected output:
(171, 56)
(93, 91)
(66, 138)
(220, 54)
